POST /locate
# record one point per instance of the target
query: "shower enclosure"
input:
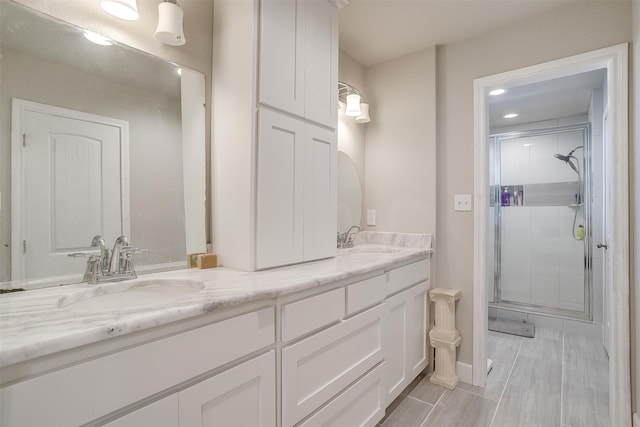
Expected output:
(542, 221)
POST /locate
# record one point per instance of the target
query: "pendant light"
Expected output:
(169, 30)
(123, 9)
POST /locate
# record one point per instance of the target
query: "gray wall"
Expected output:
(401, 143)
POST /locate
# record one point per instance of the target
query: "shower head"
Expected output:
(567, 160)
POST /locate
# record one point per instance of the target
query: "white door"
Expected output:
(68, 170)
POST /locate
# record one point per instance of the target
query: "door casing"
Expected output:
(615, 60)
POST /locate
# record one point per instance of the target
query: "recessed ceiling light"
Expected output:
(97, 38)
(497, 92)
(510, 116)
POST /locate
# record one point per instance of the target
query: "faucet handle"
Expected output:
(130, 250)
(82, 255)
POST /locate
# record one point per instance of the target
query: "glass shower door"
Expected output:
(541, 222)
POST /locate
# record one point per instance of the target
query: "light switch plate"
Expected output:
(462, 202)
(371, 217)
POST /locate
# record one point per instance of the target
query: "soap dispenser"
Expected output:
(505, 197)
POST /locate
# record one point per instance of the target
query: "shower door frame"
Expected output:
(498, 302)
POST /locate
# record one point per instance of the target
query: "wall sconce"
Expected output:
(353, 98)
(123, 9)
(169, 30)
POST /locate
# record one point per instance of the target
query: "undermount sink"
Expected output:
(135, 293)
(372, 250)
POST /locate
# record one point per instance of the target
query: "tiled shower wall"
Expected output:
(542, 263)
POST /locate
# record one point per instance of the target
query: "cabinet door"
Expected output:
(239, 397)
(279, 222)
(417, 330)
(321, 62)
(395, 345)
(320, 192)
(405, 338)
(281, 55)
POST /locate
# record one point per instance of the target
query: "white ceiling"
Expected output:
(374, 31)
(563, 97)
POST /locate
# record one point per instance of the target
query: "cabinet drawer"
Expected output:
(362, 404)
(155, 367)
(365, 293)
(403, 277)
(310, 314)
(319, 367)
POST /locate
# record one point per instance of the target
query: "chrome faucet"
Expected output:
(111, 266)
(345, 240)
(115, 265)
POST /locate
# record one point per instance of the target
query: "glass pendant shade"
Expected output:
(123, 9)
(353, 105)
(364, 115)
(169, 30)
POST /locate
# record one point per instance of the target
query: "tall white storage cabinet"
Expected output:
(274, 155)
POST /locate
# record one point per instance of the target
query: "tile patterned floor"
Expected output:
(555, 379)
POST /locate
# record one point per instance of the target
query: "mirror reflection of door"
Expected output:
(70, 168)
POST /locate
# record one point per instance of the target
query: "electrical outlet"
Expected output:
(462, 202)
(371, 217)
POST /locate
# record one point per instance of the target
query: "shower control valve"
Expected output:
(602, 245)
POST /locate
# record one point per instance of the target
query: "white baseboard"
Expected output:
(636, 420)
(465, 372)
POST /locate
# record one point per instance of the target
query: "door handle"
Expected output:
(602, 245)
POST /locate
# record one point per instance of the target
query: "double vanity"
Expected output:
(330, 342)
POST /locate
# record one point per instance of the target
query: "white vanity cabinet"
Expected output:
(296, 191)
(321, 366)
(274, 138)
(298, 57)
(405, 338)
(241, 396)
(244, 395)
(102, 387)
(405, 326)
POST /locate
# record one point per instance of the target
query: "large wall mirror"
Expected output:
(94, 139)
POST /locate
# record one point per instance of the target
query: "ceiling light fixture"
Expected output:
(97, 38)
(497, 92)
(169, 30)
(510, 116)
(355, 107)
(123, 9)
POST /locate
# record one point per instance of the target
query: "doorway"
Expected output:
(616, 237)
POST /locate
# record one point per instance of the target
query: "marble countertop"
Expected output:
(37, 323)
